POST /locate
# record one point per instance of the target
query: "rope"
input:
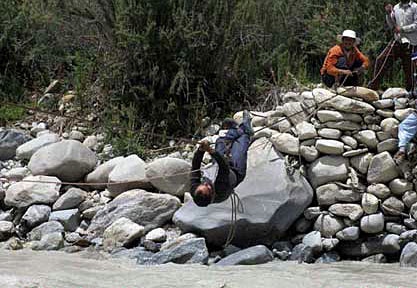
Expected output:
(390, 46)
(237, 207)
(142, 181)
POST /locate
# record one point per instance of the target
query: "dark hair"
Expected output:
(229, 123)
(201, 199)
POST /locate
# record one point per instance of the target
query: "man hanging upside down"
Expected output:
(209, 189)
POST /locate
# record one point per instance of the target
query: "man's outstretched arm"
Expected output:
(195, 170)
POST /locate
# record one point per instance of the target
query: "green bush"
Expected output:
(174, 61)
(9, 114)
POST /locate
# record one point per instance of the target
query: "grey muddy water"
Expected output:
(28, 269)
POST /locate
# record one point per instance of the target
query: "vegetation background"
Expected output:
(162, 65)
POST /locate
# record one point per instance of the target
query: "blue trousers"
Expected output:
(353, 80)
(407, 131)
(239, 141)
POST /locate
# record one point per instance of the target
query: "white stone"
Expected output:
(156, 235)
(328, 225)
(331, 147)
(400, 186)
(24, 194)
(330, 133)
(68, 160)
(327, 169)
(348, 140)
(373, 223)
(26, 150)
(131, 170)
(367, 137)
(286, 143)
(379, 190)
(353, 211)
(305, 130)
(382, 169)
(170, 175)
(370, 203)
(309, 153)
(121, 233)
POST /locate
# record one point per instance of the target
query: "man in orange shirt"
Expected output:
(344, 60)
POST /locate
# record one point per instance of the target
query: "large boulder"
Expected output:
(24, 194)
(147, 209)
(26, 150)
(271, 202)
(101, 173)
(68, 160)
(128, 174)
(9, 141)
(170, 175)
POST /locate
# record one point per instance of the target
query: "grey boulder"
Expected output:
(123, 232)
(251, 256)
(170, 175)
(382, 169)
(130, 170)
(271, 201)
(70, 219)
(409, 255)
(35, 215)
(101, 173)
(70, 199)
(52, 241)
(191, 251)
(26, 150)
(147, 209)
(68, 160)
(327, 169)
(46, 228)
(9, 141)
(24, 194)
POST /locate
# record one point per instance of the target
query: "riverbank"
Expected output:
(27, 268)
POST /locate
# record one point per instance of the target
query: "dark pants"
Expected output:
(236, 141)
(353, 80)
(398, 51)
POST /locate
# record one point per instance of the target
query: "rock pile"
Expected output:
(321, 186)
(365, 205)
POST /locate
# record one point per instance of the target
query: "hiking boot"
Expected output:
(399, 157)
(247, 123)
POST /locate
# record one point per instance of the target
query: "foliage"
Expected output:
(172, 62)
(10, 114)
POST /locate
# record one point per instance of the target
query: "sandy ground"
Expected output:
(28, 269)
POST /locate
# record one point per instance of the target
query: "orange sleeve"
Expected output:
(363, 58)
(329, 65)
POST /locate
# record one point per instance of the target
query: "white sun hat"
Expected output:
(349, 34)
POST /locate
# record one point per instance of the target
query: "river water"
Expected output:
(29, 269)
